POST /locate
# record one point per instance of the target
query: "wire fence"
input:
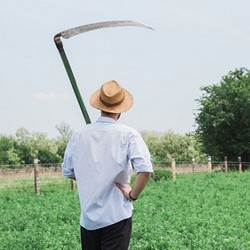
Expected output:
(27, 170)
(39, 172)
(192, 166)
(53, 169)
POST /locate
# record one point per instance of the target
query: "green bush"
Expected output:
(162, 174)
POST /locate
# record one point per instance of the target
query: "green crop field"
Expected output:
(197, 211)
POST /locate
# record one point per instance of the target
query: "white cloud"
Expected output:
(41, 96)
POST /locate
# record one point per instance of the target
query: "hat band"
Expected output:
(112, 104)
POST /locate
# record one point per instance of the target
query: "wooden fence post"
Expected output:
(240, 165)
(225, 163)
(72, 184)
(173, 169)
(36, 176)
(193, 165)
(209, 164)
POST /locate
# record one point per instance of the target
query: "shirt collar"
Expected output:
(105, 120)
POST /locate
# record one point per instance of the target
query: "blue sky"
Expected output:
(194, 44)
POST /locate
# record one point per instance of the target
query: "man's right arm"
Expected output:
(67, 165)
(68, 172)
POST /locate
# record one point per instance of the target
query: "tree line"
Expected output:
(24, 147)
(222, 122)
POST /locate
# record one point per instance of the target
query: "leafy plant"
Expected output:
(162, 174)
(197, 211)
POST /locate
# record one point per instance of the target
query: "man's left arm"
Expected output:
(132, 193)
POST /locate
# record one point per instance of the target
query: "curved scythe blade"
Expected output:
(93, 26)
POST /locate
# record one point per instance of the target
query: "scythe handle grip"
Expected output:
(58, 42)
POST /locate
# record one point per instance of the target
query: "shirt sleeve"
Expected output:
(139, 154)
(67, 165)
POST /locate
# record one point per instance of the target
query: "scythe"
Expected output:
(78, 30)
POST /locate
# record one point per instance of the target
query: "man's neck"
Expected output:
(113, 116)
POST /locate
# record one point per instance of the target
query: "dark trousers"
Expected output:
(113, 237)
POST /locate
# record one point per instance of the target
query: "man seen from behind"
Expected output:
(100, 157)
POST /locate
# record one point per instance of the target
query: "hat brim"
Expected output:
(126, 104)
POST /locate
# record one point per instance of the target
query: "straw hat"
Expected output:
(112, 98)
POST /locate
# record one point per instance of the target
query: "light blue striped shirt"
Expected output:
(99, 155)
